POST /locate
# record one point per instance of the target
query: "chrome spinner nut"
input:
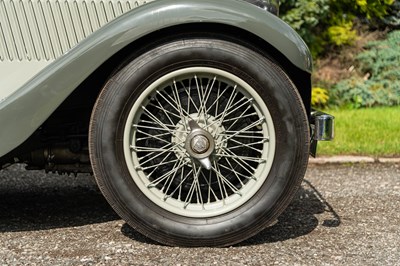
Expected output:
(200, 144)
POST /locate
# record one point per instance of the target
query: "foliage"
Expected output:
(304, 16)
(382, 57)
(368, 9)
(319, 98)
(392, 19)
(342, 34)
(380, 85)
(357, 93)
(323, 23)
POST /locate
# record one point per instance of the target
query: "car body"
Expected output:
(60, 60)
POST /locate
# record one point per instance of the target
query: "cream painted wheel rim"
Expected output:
(225, 106)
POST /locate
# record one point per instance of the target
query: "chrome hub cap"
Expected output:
(199, 144)
(200, 141)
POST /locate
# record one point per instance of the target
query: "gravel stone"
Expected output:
(342, 215)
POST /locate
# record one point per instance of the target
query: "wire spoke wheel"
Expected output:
(199, 141)
(235, 133)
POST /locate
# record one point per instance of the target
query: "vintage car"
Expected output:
(193, 115)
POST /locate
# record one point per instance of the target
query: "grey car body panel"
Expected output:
(27, 108)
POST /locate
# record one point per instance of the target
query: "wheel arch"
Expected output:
(300, 76)
(41, 96)
(95, 81)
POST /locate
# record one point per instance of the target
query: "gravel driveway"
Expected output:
(343, 214)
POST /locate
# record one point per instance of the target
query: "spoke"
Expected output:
(193, 187)
(155, 120)
(180, 187)
(227, 106)
(150, 136)
(148, 149)
(169, 102)
(151, 153)
(159, 154)
(164, 97)
(247, 145)
(199, 196)
(243, 158)
(160, 129)
(190, 100)
(160, 164)
(178, 100)
(199, 92)
(180, 184)
(173, 132)
(164, 111)
(241, 115)
(251, 134)
(219, 94)
(155, 169)
(221, 120)
(170, 180)
(226, 181)
(167, 111)
(236, 173)
(240, 162)
(216, 101)
(157, 123)
(220, 183)
(256, 123)
(207, 93)
(173, 171)
(210, 189)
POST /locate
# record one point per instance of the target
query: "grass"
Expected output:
(373, 132)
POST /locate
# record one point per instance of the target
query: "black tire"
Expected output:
(204, 219)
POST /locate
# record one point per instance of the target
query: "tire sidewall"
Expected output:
(121, 92)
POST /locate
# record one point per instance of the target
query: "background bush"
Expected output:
(378, 83)
(326, 23)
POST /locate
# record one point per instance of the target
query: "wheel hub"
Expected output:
(200, 144)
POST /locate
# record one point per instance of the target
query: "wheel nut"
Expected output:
(200, 144)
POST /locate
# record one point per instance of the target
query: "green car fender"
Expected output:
(27, 108)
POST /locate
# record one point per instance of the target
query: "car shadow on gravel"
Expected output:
(40, 202)
(46, 202)
(297, 220)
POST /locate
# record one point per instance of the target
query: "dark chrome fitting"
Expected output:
(322, 129)
(323, 126)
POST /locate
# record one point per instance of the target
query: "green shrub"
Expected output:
(305, 16)
(369, 8)
(358, 93)
(392, 19)
(327, 23)
(382, 57)
(379, 65)
(342, 34)
(319, 97)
